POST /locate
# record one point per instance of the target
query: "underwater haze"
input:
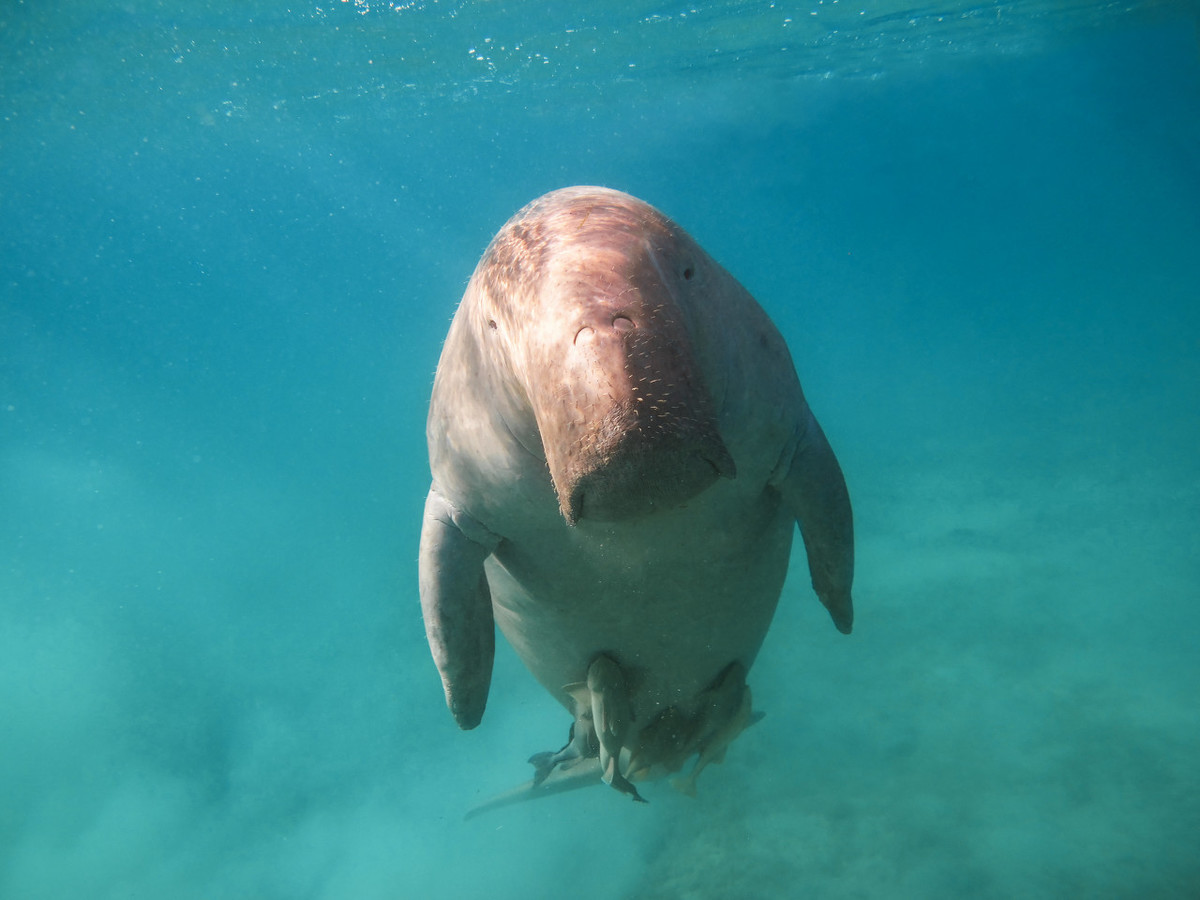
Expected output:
(232, 236)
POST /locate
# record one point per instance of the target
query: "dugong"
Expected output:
(620, 451)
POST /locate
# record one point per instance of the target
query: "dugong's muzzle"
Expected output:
(643, 468)
(633, 428)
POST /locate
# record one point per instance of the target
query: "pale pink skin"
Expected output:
(674, 563)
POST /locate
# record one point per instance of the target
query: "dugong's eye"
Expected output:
(492, 324)
(688, 273)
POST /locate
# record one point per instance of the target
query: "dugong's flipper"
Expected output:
(811, 484)
(457, 605)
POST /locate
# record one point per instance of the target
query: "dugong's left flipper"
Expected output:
(811, 483)
(457, 605)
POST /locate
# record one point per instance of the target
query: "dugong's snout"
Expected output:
(607, 358)
(638, 433)
(640, 474)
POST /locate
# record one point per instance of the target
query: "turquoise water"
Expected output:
(232, 239)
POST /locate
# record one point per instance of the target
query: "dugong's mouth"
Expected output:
(640, 477)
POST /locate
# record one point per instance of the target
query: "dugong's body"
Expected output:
(620, 451)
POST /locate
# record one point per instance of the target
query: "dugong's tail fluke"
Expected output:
(815, 491)
(582, 774)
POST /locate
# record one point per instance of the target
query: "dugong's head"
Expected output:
(586, 299)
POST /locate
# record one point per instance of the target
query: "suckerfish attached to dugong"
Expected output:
(620, 451)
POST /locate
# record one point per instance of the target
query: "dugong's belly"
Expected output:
(673, 598)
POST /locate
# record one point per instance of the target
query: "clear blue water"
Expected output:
(231, 241)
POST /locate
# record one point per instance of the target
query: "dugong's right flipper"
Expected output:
(811, 483)
(457, 605)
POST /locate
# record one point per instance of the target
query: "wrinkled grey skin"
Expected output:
(620, 451)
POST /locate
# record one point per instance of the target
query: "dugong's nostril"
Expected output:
(585, 333)
(622, 323)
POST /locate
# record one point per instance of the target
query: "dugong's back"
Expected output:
(620, 448)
